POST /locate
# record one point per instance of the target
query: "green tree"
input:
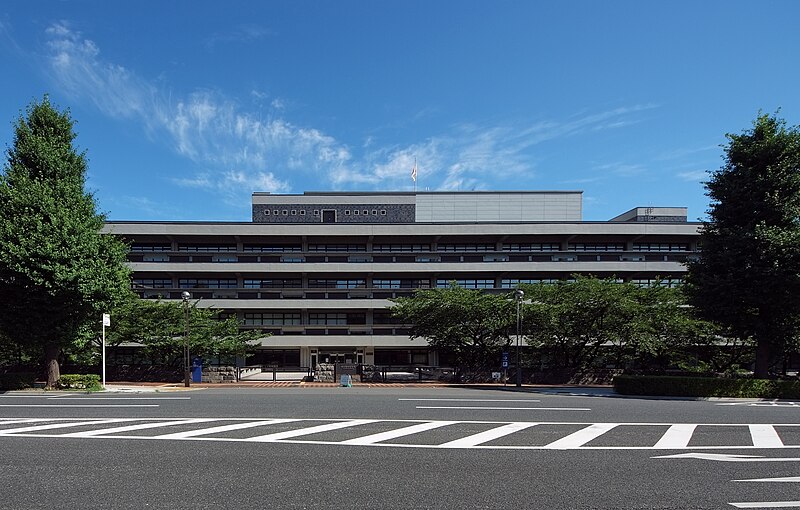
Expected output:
(159, 327)
(470, 324)
(593, 322)
(57, 272)
(748, 276)
(571, 322)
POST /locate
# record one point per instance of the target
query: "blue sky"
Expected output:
(186, 107)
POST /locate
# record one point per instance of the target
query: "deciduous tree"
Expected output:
(159, 327)
(470, 324)
(57, 272)
(748, 275)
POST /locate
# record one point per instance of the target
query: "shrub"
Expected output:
(17, 380)
(79, 382)
(705, 387)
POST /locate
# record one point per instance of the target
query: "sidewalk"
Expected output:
(129, 387)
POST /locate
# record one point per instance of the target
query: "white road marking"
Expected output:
(79, 405)
(677, 436)
(31, 396)
(782, 479)
(508, 408)
(50, 426)
(138, 426)
(310, 430)
(489, 435)
(122, 398)
(393, 434)
(724, 457)
(761, 404)
(581, 437)
(765, 436)
(767, 504)
(25, 420)
(224, 428)
(462, 400)
(196, 429)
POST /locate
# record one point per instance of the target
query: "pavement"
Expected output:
(123, 387)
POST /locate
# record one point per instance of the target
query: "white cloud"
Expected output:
(694, 175)
(243, 151)
(241, 34)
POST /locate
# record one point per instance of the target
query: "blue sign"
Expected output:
(197, 369)
(504, 362)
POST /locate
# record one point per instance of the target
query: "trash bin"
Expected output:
(347, 380)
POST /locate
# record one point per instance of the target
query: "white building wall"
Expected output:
(502, 207)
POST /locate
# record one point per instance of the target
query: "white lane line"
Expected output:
(31, 396)
(767, 504)
(122, 398)
(224, 428)
(403, 431)
(782, 479)
(488, 435)
(79, 405)
(139, 426)
(462, 400)
(23, 420)
(310, 430)
(35, 428)
(508, 408)
(765, 436)
(581, 437)
(677, 436)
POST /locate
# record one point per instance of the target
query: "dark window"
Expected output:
(207, 248)
(140, 247)
(152, 283)
(207, 283)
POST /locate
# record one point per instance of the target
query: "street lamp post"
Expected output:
(186, 367)
(518, 295)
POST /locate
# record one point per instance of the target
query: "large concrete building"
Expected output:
(317, 271)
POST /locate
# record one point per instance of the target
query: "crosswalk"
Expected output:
(464, 434)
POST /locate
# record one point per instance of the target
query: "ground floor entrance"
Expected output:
(341, 355)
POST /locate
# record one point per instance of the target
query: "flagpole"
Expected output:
(415, 174)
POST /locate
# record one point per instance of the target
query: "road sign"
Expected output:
(504, 362)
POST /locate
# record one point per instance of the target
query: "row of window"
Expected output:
(315, 212)
(377, 283)
(366, 258)
(364, 212)
(411, 248)
(314, 319)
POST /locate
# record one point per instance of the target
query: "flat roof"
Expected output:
(411, 193)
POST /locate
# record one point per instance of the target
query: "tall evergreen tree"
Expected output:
(748, 275)
(57, 272)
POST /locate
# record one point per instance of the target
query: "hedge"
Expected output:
(79, 382)
(17, 380)
(705, 387)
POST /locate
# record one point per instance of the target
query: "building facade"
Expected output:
(318, 271)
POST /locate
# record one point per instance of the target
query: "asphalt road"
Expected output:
(394, 448)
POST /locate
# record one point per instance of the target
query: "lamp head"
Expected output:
(185, 296)
(519, 294)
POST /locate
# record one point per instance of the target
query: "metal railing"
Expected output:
(261, 369)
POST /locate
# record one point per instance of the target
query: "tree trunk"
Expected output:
(763, 355)
(51, 352)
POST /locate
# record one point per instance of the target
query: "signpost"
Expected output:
(106, 322)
